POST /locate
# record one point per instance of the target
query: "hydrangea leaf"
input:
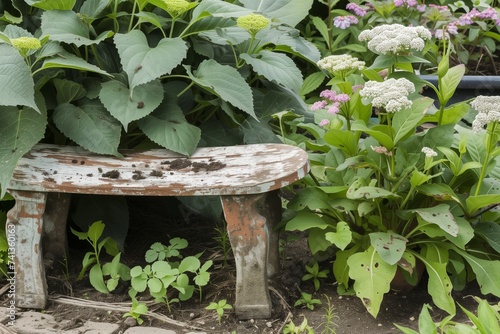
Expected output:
(16, 82)
(20, 130)
(275, 67)
(289, 12)
(372, 278)
(65, 26)
(143, 63)
(128, 106)
(168, 127)
(67, 60)
(226, 82)
(90, 126)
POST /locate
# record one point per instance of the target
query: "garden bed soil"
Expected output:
(152, 224)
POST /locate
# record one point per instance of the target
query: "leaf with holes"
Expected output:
(372, 278)
(441, 216)
(143, 63)
(389, 245)
(126, 105)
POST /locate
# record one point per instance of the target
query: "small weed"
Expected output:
(220, 308)
(306, 300)
(303, 328)
(136, 311)
(315, 274)
(329, 323)
(222, 239)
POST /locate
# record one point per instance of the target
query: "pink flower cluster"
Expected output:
(467, 19)
(332, 100)
(344, 22)
(356, 9)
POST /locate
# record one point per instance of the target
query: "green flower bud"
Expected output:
(253, 23)
(26, 43)
(176, 8)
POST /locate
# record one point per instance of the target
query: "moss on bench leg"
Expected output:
(249, 224)
(55, 241)
(25, 218)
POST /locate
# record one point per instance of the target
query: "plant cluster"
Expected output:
(470, 27)
(395, 181)
(110, 74)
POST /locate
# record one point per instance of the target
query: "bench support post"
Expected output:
(250, 225)
(25, 219)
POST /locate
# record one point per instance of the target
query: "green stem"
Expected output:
(132, 17)
(186, 89)
(489, 148)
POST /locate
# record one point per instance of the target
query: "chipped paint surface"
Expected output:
(247, 169)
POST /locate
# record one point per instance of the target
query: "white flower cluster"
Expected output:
(395, 38)
(340, 64)
(429, 152)
(391, 94)
(488, 110)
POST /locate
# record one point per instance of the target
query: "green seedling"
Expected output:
(303, 328)
(220, 307)
(115, 269)
(306, 300)
(315, 275)
(136, 311)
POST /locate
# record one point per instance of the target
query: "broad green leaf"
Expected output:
(289, 12)
(93, 8)
(275, 67)
(439, 191)
(67, 60)
(441, 216)
(487, 272)
(97, 280)
(449, 83)
(439, 285)
(372, 278)
(383, 138)
(95, 231)
(321, 27)
(310, 197)
(218, 8)
(425, 322)
(226, 82)
(389, 245)
(312, 82)
(52, 4)
(143, 63)
(20, 130)
(488, 317)
(155, 285)
(340, 267)
(342, 237)
(405, 121)
(295, 45)
(16, 82)
(151, 18)
(344, 140)
(127, 105)
(371, 193)
(68, 90)
(168, 127)
(475, 203)
(90, 126)
(305, 220)
(65, 26)
(439, 136)
(490, 231)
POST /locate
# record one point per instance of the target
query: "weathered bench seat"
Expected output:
(247, 178)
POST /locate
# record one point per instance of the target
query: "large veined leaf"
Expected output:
(289, 12)
(20, 130)
(389, 245)
(52, 4)
(218, 8)
(275, 67)
(450, 81)
(441, 216)
(168, 127)
(144, 64)
(439, 285)
(65, 26)
(305, 220)
(310, 197)
(490, 231)
(93, 8)
(226, 82)
(16, 82)
(90, 126)
(372, 278)
(128, 106)
(68, 60)
(405, 122)
(342, 237)
(487, 272)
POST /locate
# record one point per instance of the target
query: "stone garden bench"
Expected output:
(247, 178)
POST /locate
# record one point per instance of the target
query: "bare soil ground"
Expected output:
(151, 223)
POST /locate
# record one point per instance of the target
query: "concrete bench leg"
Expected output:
(250, 224)
(26, 218)
(55, 241)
